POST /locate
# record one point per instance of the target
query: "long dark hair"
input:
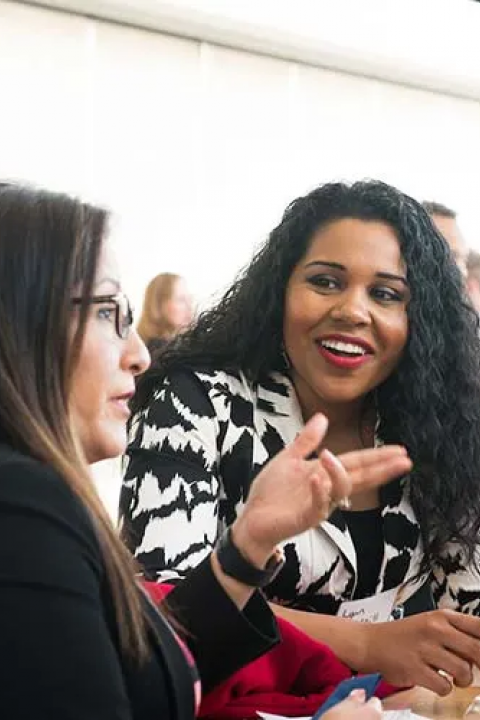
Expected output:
(49, 248)
(430, 403)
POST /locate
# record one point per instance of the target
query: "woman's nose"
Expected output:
(351, 308)
(136, 355)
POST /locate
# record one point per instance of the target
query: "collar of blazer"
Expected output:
(277, 399)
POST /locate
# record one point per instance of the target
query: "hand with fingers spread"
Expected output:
(375, 466)
(293, 492)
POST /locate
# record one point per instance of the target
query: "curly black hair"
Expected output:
(430, 403)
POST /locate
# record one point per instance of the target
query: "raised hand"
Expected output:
(293, 492)
(369, 468)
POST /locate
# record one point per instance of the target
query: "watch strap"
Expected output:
(235, 565)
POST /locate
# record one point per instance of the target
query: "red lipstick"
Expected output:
(339, 351)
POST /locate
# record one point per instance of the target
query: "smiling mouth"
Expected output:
(342, 354)
(343, 349)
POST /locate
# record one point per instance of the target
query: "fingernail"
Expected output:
(358, 694)
(375, 703)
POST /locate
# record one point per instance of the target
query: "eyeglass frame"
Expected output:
(115, 299)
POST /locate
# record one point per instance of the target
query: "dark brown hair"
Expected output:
(50, 246)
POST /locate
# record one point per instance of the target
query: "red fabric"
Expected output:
(292, 679)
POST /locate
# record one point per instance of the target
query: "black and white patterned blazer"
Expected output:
(191, 459)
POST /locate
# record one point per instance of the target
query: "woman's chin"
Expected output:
(106, 446)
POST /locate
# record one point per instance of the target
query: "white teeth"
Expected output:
(343, 347)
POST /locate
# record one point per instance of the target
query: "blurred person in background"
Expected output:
(473, 278)
(80, 639)
(353, 307)
(445, 220)
(167, 310)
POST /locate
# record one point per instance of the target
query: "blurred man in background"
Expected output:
(473, 278)
(445, 220)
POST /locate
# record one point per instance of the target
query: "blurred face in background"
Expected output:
(448, 227)
(473, 287)
(178, 309)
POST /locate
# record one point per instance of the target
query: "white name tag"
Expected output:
(373, 609)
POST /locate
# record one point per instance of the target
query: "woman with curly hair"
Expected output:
(354, 307)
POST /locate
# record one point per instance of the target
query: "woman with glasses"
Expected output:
(79, 639)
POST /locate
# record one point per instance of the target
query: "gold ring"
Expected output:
(445, 675)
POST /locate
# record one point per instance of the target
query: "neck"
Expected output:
(348, 429)
(344, 414)
(346, 420)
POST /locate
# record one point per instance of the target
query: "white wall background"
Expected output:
(197, 148)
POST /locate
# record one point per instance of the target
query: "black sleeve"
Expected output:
(57, 656)
(221, 638)
(57, 659)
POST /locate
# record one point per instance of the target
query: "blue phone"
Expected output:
(369, 683)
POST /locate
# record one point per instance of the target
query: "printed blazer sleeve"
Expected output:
(456, 583)
(170, 493)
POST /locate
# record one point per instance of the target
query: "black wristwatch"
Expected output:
(236, 566)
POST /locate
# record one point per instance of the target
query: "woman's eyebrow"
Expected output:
(392, 276)
(335, 265)
(339, 266)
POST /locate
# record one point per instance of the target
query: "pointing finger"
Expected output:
(309, 438)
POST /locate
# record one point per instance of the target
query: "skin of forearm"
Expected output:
(347, 638)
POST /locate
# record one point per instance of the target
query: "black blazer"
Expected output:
(59, 650)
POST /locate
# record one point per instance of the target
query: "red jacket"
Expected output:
(292, 679)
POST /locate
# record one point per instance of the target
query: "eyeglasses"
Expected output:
(123, 310)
